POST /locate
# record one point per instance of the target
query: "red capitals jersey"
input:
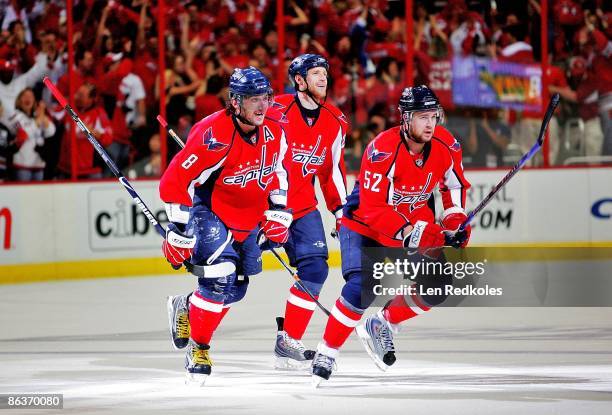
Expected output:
(231, 174)
(315, 148)
(395, 190)
(97, 120)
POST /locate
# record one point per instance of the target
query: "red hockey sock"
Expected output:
(298, 311)
(403, 308)
(224, 311)
(204, 317)
(339, 325)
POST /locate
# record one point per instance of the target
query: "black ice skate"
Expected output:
(178, 320)
(197, 363)
(323, 363)
(377, 338)
(290, 353)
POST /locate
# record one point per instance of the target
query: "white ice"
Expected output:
(104, 344)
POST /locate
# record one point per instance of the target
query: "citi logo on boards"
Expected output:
(126, 220)
(5, 214)
(602, 208)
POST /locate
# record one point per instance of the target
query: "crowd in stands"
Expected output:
(116, 84)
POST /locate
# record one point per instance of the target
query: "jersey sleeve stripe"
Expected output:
(337, 176)
(203, 177)
(281, 172)
(391, 189)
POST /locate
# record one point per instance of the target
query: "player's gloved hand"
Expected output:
(264, 243)
(276, 225)
(451, 221)
(336, 232)
(426, 238)
(177, 246)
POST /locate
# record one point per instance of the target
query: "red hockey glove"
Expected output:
(427, 238)
(336, 232)
(451, 220)
(177, 247)
(276, 225)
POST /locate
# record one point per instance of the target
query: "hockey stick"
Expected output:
(552, 105)
(295, 276)
(198, 270)
(299, 282)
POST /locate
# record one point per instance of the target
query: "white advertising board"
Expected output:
(87, 221)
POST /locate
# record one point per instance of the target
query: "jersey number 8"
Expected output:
(189, 162)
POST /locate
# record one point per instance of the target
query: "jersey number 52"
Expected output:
(371, 181)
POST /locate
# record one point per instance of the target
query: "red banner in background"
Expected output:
(440, 80)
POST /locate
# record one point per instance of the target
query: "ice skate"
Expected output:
(178, 320)
(197, 363)
(377, 338)
(323, 364)
(290, 353)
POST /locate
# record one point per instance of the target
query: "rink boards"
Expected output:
(95, 229)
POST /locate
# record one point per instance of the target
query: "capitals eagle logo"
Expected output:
(376, 156)
(211, 142)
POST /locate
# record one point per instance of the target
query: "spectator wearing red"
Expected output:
(129, 116)
(526, 123)
(248, 16)
(471, 36)
(517, 49)
(386, 88)
(95, 118)
(209, 97)
(585, 94)
(230, 56)
(451, 17)
(17, 49)
(85, 71)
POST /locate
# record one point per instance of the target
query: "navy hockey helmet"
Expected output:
(419, 98)
(301, 64)
(248, 82)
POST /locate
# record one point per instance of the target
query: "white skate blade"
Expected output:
(196, 380)
(364, 337)
(286, 363)
(316, 381)
(170, 313)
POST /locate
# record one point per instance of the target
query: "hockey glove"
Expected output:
(426, 238)
(451, 221)
(276, 225)
(336, 232)
(177, 246)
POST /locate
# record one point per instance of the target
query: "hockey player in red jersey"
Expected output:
(315, 133)
(392, 206)
(231, 156)
(315, 136)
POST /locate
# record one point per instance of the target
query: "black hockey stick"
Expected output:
(295, 276)
(552, 105)
(299, 282)
(197, 270)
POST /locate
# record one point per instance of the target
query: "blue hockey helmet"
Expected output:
(301, 64)
(248, 82)
(419, 98)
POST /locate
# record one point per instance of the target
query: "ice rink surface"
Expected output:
(104, 344)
